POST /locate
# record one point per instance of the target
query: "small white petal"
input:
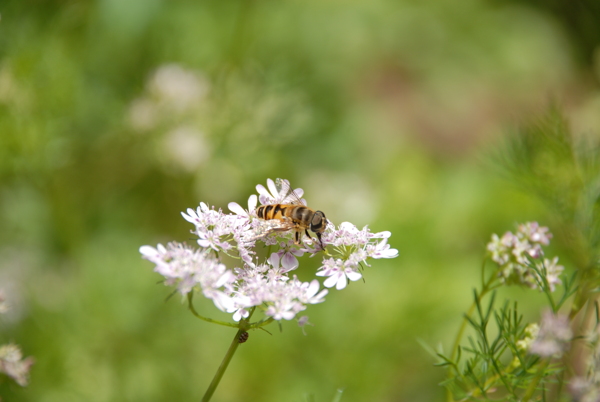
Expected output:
(353, 275)
(331, 281)
(252, 202)
(261, 189)
(390, 253)
(222, 301)
(341, 283)
(190, 216)
(313, 288)
(149, 251)
(236, 208)
(272, 187)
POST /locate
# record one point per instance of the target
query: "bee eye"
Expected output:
(316, 224)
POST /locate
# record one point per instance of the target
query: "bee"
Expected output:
(291, 215)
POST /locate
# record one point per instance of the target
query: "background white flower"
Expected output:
(519, 257)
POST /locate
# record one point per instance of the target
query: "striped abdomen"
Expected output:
(298, 214)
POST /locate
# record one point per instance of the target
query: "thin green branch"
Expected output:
(190, 296)
(534, 383)
(223, 367)
(486, 287)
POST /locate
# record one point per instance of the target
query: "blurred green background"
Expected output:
(115, 115)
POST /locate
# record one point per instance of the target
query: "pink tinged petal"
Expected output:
(236, 208)
(289, 262)
(224, 245)
(297, 253)
(191, 216)
(274, 260)
(185, 285)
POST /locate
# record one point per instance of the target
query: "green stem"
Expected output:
(219, 374)
(260, 323)
(533, 384)
(193, 310)
(485, 288)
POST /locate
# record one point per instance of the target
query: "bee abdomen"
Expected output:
(270, 211)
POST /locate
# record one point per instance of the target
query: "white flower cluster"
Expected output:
(266, 285)
(14, 365)
(553, 337)
(12, 362)
(514, 254)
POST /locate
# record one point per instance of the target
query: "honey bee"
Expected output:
(291, 215)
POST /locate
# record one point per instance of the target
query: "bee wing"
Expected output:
(287, 195)
(261, 228)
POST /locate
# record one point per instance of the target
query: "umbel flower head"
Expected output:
(520, 257)
(266, 284)
(14, 365)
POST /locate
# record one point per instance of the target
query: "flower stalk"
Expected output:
(223, 367)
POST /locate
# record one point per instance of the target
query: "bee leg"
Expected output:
(320, 241)
(297, 237)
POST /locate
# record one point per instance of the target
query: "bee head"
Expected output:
(318, 222)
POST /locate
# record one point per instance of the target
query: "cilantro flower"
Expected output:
(352, 248)
(520, 257)
(265, 284)
(13, 365)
